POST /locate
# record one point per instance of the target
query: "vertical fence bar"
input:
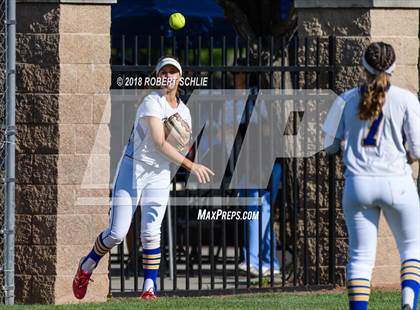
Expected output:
(317, 165)
(295, 203)
(162, 45)
(187, 228)
(332, 178)
(174, 46)
(273, 241)
(259, 60)
(123, 55)
(200, 228)
(199, 42)
(171, 253)
(305, 179)
(175, 226)
(247, 59)
(136, 247)
(235, 51)
(282, 48)
(247, 229)
(162, 267)
(121, 256)
(200, 232)
(211, 60)
(211, 247)
(224, 81)
(123, 50)
(223, 62)
(136, 60)
(9, 214)
(231, 160)
(283, 179)
(149, 50)
(136, 50)
(259, 192)
(187, 42)
(187, 246)
(271, 61)
(283, 222)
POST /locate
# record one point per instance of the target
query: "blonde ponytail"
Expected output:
(379, 62)
(373, 98)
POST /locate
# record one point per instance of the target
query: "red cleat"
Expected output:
(149, 294)
(80, 283)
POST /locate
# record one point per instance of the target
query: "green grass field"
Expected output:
(311, 301)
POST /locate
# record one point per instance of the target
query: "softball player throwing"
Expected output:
(143, 176)
(375, 122)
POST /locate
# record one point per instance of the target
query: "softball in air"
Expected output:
(177, 21)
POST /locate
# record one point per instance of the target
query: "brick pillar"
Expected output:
(63, 83)
(356, 23)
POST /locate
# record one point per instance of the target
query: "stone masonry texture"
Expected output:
(63, 53)
(354, 29)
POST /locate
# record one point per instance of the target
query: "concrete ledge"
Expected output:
(400, 4)
(69, 1)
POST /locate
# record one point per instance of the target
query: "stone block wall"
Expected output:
(401, 29)
(37, 147)
(63, 82)
(354, 28)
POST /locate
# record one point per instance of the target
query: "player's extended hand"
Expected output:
(201, 172)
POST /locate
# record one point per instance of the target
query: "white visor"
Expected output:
(168, 61)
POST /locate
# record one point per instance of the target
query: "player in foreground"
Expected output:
(143, 176)
(377, 121)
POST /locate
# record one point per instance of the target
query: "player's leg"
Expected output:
(153, 203)
(403, 217)
(362, 225)
(124, 202)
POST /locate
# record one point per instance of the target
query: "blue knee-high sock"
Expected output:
(410, 282)
(98, 251)
(151, 263)
(358, 292)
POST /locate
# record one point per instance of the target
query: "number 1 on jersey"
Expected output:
(372, 136)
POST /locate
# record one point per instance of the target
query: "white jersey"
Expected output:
(377, 148)
(140, 145)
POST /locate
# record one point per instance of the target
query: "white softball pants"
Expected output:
(363, 200)
(138, 182)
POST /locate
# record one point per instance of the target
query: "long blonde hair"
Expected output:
(380, 56)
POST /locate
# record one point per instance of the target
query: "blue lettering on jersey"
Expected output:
(371, 139)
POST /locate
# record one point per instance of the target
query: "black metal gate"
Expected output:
(204, 256)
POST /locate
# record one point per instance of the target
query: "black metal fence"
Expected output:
(204, 257)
